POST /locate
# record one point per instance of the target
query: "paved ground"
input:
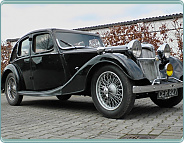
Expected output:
(49, 118)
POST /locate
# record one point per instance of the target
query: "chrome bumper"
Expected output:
(154, 88)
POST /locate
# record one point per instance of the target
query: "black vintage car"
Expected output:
(61, 63)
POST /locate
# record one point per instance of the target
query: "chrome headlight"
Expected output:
(135, 47)
(165, 49)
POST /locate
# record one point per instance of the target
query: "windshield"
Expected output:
(67, 39)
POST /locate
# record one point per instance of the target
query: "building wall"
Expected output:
(156, 24)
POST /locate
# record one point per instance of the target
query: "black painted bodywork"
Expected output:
(69, 71)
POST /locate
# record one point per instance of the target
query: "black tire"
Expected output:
(11, 88)
(63, 97)
(114, 97)
(168, 103)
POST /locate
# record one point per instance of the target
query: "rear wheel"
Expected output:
(11, 90)
(112, 92)
(63, 97)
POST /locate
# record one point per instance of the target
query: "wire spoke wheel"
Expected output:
(109, 90)
(11, 90)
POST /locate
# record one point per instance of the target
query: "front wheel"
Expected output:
(168, 103)
(112, 92)
(11, 90)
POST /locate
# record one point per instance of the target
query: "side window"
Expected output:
(24, 47)
(42, 43)
(14, 53)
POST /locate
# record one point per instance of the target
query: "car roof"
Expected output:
(59, 30)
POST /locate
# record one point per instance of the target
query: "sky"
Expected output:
(19, 19)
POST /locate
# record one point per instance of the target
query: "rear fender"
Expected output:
(10, 69)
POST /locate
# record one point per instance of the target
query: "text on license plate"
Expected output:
(166, 94)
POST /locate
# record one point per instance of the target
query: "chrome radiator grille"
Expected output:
(148, 53)
(149, 69)
(148, 64)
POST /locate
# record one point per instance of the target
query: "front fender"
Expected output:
(128, 66)
(131, 68)
(177, 67)
(78, 82)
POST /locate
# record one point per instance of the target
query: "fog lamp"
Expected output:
(169, 69)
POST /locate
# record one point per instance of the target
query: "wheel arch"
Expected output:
(11, 69)
(3, 79)
(96, 67)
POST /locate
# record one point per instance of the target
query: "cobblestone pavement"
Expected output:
(77, 118)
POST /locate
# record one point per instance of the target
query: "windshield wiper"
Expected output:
(67, 43)
(72, 46)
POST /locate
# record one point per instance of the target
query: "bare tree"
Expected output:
(6, 49)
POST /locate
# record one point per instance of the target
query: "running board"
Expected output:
(53, 92)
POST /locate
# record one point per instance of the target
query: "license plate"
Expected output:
(166, 94)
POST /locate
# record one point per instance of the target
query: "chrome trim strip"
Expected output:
(176, 79)
(146, 58)
(165, 79)
(154, 88)
(67, 48)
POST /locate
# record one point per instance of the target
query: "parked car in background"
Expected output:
(62, 63)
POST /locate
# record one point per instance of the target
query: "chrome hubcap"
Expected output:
(11, 88)
(109, 90)
(112, 89)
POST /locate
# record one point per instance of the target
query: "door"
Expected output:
(23, 62)
(46, 63)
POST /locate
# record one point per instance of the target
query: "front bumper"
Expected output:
(154, 88)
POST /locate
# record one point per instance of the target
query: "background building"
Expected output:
(174, 28)
(173, 23)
